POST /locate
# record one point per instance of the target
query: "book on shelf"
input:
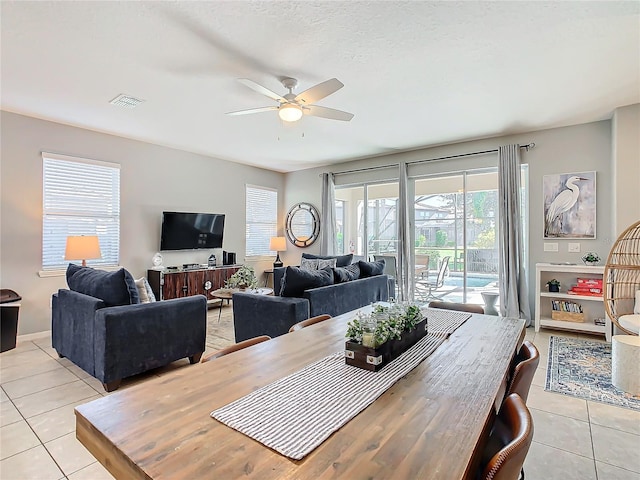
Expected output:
(595, 282)
(586, 289)
(584, 293)
(563, 306)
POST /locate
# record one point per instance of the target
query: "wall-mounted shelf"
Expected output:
(592, 306)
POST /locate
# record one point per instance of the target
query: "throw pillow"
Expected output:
(113, 288)
(371, 269)
(309, 263)
(346, 274)
(142, 292)
(150, 294)
(324, 263)
(297, 280)
(341, 260)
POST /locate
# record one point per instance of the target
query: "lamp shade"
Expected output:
(82, 248)
(290, 112)
(278, 244)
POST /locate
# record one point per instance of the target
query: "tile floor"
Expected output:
(574, 439)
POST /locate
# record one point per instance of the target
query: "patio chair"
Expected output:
(427, 290)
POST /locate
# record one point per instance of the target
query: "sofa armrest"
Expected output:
(72, 327)
(131, 339)
(255, 315)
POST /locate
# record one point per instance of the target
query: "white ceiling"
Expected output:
(415, 73)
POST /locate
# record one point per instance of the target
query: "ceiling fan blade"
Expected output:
(260, 89)
(252, 110)
(324, 112)
(318, 92)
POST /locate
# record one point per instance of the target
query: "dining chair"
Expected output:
(236, 347)
(460, 307)
(509, 442)
(309, 321)
(430, 288)
(523, 368)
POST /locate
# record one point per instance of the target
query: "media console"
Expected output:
(185, 282)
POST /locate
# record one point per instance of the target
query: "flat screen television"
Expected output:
(188, 231)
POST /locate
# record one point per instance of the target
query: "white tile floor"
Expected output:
(574, 439)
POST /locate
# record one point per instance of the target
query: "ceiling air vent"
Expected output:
(126, 101)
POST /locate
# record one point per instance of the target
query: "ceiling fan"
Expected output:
(291, 106)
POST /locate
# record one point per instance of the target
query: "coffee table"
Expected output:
(227, 294)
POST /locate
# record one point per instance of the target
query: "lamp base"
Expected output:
(278, 263)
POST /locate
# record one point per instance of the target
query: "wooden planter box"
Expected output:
(376, 358)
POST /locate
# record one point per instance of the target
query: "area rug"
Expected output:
(582, 368)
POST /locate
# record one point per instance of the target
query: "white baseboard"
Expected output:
(33, 336)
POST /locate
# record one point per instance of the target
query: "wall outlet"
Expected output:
(550, 247)
(574, 247)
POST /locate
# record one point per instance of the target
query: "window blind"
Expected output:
(80, 197)
(262, 219)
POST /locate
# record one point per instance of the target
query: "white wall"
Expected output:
(561, 150)
(153, 179)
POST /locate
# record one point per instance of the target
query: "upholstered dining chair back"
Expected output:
(309, 321)
(236, 347)
(509, 441)
(523, 369)
(461, 307)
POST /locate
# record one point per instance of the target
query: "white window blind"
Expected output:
(262, 220)
(80, 197)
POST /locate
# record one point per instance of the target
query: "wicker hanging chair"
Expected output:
(622, 277)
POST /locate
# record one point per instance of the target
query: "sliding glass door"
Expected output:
(456, 247)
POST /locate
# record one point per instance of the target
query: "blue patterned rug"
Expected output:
(582, 368)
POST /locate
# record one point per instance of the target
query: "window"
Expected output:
(80, 197)
(262, 220)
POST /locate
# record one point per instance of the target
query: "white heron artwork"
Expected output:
(570, 205)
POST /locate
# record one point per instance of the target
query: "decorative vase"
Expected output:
(590, 264)
(554, 288)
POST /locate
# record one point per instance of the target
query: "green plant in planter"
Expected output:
(554, 285)
(245, 277)
(590, 258)
(391, 322)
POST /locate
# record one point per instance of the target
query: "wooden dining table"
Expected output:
(431, 424)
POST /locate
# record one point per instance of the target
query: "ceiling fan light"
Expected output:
(290, 112)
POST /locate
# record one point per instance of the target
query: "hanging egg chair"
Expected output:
(622, 281)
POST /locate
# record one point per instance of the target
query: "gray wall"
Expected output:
(561, 150)
(153, 179)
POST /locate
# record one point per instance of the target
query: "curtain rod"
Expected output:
(528, 147)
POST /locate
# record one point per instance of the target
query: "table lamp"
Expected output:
(279, 244)
(82, 248)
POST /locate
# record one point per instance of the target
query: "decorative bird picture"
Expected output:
(561, 206)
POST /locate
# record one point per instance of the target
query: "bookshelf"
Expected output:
(592, 306)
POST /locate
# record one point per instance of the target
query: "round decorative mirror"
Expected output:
(303, 224)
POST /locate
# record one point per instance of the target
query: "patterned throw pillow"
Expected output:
(346, 274)
(341, 260)
(329, 262)
(309, 264)
(144, 291)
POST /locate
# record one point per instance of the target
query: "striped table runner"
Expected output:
(297, 413)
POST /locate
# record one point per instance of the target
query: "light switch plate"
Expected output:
(550, 247)
(574, 247)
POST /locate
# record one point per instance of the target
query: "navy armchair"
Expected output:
(112, 342)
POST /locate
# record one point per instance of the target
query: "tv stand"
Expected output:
(185, 282)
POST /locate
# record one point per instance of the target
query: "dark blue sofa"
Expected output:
(110, 340)
(255, 315)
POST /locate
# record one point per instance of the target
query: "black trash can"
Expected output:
(9, 309)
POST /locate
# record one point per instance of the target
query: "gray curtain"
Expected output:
(405, 268)
(514, 296)
(328, 216)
